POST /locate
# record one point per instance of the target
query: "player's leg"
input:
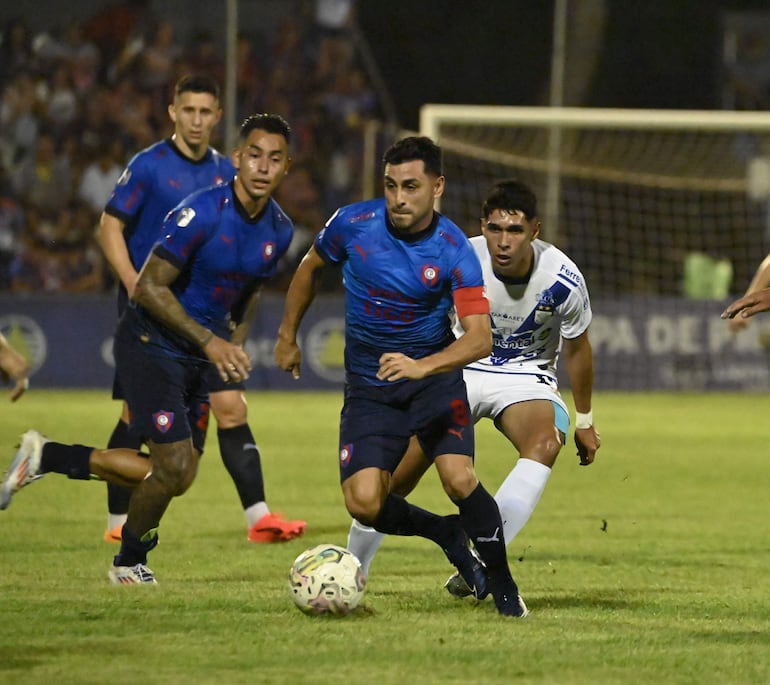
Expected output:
(118, 495)
(242, 460)
(366, 462)
(364, 541)
(447, 435)
(37, 456)
(536, 428)
(174, 467)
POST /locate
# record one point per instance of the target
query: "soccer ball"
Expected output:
(326, 579)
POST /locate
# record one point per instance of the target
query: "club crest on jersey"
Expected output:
(125, 177)
(346, 452)
(429, 275)
(186, 215)
(545, 307)
(163, 420)
(268, 250)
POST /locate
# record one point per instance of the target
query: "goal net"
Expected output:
(665, 212)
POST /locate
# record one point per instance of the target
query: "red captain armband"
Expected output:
(471, 301)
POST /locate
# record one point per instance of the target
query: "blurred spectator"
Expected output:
(203, 55)
(62, 102)
(15, 49)
(11, 226)
(100, 176)
(19, 118)
(43, 177)
(749, 76)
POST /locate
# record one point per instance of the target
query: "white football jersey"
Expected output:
(530, 319)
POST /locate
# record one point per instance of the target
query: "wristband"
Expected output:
(584, 420)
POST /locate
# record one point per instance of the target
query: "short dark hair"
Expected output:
(510, 195)
(272, 123)
(416, 148)
(197, 83)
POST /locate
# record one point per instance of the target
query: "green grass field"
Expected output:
(648, 567)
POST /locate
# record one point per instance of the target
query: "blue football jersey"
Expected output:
(398, 289)
(154, 182)
(221, 252)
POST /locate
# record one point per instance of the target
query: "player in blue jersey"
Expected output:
(190, 312)
(155, 180)
(404, 267)
(540, 312)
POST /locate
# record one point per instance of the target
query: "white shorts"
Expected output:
(490, 393)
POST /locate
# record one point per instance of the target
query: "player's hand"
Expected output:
(738, 324)
(587, 441)
(232, 362)
(748, 305)
(288, 356)
(394, 366)
(14, 368)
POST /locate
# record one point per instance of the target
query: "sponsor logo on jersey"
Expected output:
(360, 217)
(186, 215)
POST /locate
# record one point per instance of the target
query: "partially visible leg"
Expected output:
(364, 541)
(174, 466)
(117, 495)
(242, 460)
(530, 426)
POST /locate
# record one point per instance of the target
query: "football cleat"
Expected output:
(510, 603)
(25, 467)
(457, 587)
(131, 575)
(274, 528)
(469, 566)
(114, 535)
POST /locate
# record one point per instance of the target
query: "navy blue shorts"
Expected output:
(166, 395)
(377, 422)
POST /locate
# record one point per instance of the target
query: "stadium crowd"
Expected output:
(77, 101)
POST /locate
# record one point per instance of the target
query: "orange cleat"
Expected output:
(114, 535)
(274, 528)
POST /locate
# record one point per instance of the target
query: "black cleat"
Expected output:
(509, 602)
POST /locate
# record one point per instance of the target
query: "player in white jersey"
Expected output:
(540, 312)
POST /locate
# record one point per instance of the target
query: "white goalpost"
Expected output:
(665, 211)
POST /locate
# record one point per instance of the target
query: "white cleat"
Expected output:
(131, 575)
(25, 467)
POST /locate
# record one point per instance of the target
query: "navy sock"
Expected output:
(133, 550)
(480, 517)
(399, 517)
(242, 461)
(117, 495)
(71, 460)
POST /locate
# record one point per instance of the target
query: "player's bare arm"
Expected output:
(13, 367)
(153, 293)
(748, 305)
(577, 357)
(760, 281)
(300, 295)
(113, 244)
(475, 343)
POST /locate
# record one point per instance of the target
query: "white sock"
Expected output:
(256, 512)
(115, 520)
(519, 494)
(364, 542)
